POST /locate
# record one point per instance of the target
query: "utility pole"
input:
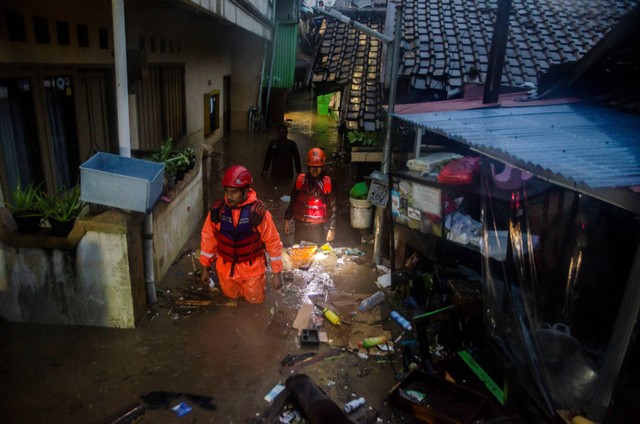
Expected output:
(393, 50)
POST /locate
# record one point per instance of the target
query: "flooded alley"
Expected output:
(194, 341)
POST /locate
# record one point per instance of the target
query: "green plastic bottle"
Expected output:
(372, 341)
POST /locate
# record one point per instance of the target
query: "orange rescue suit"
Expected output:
(243, 272)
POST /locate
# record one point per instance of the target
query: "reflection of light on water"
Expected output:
(312, 281)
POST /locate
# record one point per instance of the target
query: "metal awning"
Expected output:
(587, 148)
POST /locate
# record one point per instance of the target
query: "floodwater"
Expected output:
(230, 351)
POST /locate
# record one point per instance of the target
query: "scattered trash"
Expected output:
(286, 199)
(401, 321)
(181, 409)
(290, 416)
(384, 281)
(385, 347)
(351, 406)
(383, 268)
(190, 302)
(353, 251)
(309, 336)
(159, 399)
(293, 359)
(326, 248)
(274, 392)
(371, 301)
(413, 395)
(372, 341)
(349, 251)
(329, 314)
(302, 256)
(133, 413)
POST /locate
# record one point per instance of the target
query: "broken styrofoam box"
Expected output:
(121, 182)
(430, 162)
(384, 281)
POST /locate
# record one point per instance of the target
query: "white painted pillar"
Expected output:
(122, 85)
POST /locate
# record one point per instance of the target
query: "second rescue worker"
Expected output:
(313, 205)
(237, 232)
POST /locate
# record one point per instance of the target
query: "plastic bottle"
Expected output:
(401, 321)
(351, 406)
(372, 341)
(371, 301)
(331, 316)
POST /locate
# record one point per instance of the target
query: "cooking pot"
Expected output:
(555, 345)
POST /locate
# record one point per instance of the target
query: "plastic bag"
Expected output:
(460, 171)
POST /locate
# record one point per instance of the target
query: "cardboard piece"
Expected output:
(303, 318)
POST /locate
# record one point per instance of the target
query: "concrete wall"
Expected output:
(94, 277)
(246, 71)
(95, 14)
(174, 222)
(209, 47)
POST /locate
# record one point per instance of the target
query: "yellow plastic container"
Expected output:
(301, 257)
(331, 316)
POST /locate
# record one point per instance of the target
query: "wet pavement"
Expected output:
(197, 342)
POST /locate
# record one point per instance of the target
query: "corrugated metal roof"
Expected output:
(519, 99)
(578, 143)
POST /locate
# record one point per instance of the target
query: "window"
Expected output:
(41, 30)
(18, 135)
(15, 26)
(62, 32)
(60, 110)
(83, 35)
(161, 105)
(103, 36)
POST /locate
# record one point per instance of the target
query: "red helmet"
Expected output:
(237, 176)
(316, 157)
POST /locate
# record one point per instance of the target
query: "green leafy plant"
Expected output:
(65, 205)
(190, 155)
(170, 169)
(27, 201)
(166, 149)
(365, 138)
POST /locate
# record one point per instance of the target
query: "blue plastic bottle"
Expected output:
(401, 321)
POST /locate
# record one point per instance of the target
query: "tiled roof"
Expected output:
(351, 59)
(446, 41)
(449, 39)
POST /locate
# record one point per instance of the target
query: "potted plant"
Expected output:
(190, 155)
(27, 207)
(62, 209)
(170, 174)
(165, 151)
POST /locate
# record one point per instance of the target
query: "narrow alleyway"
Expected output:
(231, 351)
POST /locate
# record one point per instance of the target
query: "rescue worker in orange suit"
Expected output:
(235, 236)
(313, 205)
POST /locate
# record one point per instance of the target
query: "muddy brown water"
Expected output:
(229, 351)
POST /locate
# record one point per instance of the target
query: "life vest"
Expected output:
(239, 243)
(310, 203)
